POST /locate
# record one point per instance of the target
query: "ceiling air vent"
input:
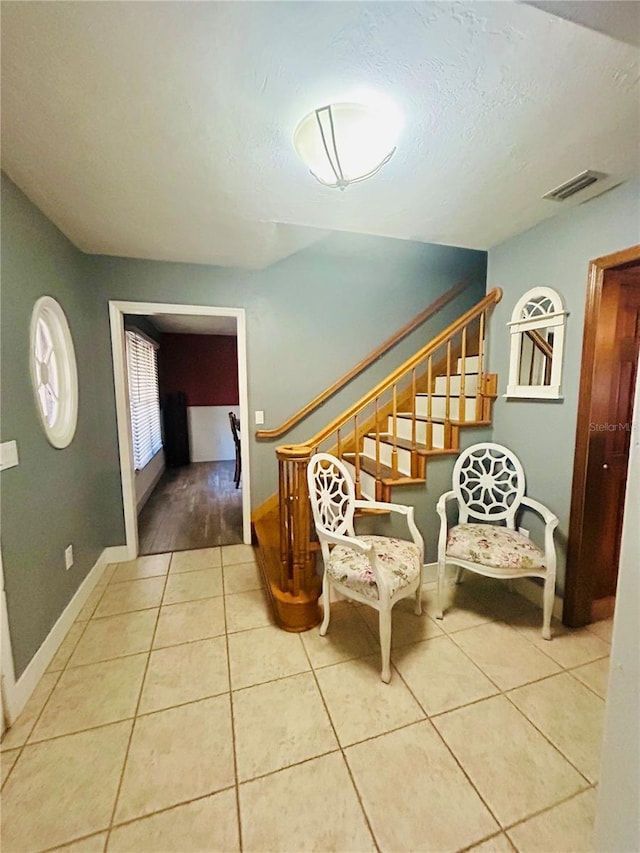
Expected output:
(575, 185)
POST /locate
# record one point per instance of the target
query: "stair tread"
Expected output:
(403, 443)
(425, 419)
(457, 422)
(444, 396)
(385, 472)
(405, 415)
(369, 466)
(470, 373)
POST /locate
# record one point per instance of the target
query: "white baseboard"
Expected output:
(147, 479)
(429, 574)
(17, 693)
(525, 587)
(116, 554)
(531, 591)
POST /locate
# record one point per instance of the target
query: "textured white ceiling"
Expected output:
(163, 130)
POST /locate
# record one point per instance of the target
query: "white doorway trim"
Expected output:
(7, 673)
(117, 310)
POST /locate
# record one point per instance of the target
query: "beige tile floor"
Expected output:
(176, 717)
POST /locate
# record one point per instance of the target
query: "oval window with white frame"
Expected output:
(53, 371)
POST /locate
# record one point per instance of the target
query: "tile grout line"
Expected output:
(135, 715)
(504, 692)
(341, 749)
(129, 821)
(560, 802)
(60, 673)
(571, 672)
(494, 835)
(233, 721)
(503, 830)
(548, 739)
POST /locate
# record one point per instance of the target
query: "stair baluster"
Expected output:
(386, 437)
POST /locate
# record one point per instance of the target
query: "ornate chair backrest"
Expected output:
(332, 494)
(489, 483)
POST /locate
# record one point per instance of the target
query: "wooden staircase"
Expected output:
(386, 438)
(430, 427)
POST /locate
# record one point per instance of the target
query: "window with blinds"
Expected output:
(142, 366)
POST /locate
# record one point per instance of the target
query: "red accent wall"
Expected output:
(204, 367)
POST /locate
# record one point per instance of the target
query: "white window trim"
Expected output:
(61, 431)
(520, 323)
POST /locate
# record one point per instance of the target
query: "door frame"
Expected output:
(117, 310)
(579, 583)
(8, 712)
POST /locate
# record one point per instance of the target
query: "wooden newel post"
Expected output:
(296, 600)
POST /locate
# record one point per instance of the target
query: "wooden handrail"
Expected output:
(493, 297)
(368, 360)
(544, 346)
(296, 590)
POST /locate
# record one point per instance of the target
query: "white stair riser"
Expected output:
(470, 384)
(438, 435)
(404, 429)
(367, 481)
(471, 364)
(386, 450)
(439, 407)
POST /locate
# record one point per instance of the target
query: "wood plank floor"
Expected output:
(196, 506)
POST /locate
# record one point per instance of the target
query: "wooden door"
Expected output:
(609, 366)
(617, 344)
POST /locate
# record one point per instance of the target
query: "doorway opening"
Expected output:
(611, 342)
(190, 318)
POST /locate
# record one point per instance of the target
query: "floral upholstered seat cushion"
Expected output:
(495, 547)
(397, 560)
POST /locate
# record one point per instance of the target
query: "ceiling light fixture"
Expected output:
(345, 143)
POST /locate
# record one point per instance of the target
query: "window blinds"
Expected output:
(142, 364)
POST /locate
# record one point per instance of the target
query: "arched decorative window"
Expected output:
(537, 340)
(53, 371)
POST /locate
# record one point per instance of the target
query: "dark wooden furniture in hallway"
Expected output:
(234, 422)
(196, 506)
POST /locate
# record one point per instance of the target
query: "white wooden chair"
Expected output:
(489, 486)
(374, 570)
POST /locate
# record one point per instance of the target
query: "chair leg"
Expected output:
(326, 605)
(418, 608)
(459, 574)
(548, 595)
(385, 644)
(440, 589)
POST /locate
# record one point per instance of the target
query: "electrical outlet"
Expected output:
(68, 556)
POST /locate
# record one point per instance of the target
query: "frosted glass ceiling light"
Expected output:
(343, 144)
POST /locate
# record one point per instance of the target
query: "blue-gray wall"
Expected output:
(555, 254)
(309, 319)
(54, 497)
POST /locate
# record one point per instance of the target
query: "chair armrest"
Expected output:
(441, 509)
(548, 517)
(551, 522)
(349, 541)
(401, 509)
(388, 507)
(442, 503)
